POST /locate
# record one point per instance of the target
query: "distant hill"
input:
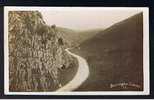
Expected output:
(87, 34)
(76, 37)
(68, 34)
(115, 56)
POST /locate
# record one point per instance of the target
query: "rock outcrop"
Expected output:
(36, 53)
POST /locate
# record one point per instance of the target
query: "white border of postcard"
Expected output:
(146, 88)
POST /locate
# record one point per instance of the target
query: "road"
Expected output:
(80, 77)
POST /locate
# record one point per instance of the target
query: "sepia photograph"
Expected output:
(76, 50)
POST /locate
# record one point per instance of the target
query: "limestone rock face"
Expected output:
(36, 53)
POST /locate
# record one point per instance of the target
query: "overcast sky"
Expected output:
(83, 19)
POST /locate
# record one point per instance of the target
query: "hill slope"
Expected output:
(87, 34)
(75, 37)
(115, 57)
(69, 35)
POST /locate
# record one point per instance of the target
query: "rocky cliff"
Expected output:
(36, 53)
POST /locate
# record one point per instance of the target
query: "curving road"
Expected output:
(81, 75)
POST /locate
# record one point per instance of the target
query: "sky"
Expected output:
(85, 18)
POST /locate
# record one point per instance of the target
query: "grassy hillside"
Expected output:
(87, 34)
(115, 57)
